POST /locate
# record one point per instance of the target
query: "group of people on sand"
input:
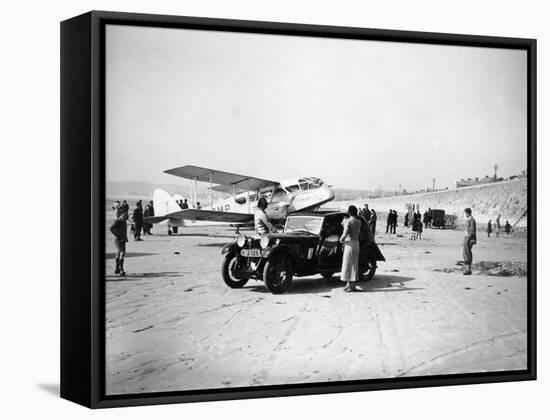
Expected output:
(507, 227)
(353, 227)
(391, 221)
(139, 214)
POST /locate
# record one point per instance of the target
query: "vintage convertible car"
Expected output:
(308, 245)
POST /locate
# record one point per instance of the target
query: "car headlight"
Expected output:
(264, 242)
(241, 241)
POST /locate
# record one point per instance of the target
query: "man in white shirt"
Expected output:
(261, 222)
(470, 239)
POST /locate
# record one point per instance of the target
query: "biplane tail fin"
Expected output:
(164, 204)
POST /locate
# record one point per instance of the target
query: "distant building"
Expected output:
(485, 180)
(476, 181)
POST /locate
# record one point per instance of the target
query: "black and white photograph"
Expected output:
(285, 209)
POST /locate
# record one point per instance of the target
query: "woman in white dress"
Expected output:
(350, 260)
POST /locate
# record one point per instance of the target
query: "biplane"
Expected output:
(242, 194)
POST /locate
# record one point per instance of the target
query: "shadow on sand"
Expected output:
(380, 283)
(141, 276)
(111, 255)
(214, 245)
(200, 235)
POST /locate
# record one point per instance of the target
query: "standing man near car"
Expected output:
(470, 239)
(262, 225)
(365, 213)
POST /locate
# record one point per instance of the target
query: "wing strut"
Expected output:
(211, 192)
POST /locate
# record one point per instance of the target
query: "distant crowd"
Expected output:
(139, 213)
(497, 227)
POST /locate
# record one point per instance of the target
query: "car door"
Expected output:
(329, 251)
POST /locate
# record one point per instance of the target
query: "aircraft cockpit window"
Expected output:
(304, 185)
(314, 185)
(293, 188)
(279, 193)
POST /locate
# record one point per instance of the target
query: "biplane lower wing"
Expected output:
(204, 216)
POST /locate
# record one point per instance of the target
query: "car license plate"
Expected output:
(251, 253)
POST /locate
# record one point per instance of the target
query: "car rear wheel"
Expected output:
(368, 271)
(228, 267)
(278, 274)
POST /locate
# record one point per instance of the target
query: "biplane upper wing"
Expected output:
(239, 182)
(227, 189)
(204, 215)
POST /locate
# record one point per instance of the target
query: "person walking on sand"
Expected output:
(497, 226)
(350, 240)
(470, 239)
(389, 221)
(507, 228)
(119, 230)
(489, 229)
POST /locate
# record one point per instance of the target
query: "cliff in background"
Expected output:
(507, 198)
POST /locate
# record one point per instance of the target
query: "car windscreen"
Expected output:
(310, 224)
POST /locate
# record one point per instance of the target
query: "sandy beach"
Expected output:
(172, 324)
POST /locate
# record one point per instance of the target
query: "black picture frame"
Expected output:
(83, 207)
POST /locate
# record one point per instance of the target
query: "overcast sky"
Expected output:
(358, 114)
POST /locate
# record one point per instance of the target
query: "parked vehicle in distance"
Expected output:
(441, 220)
(309, 244)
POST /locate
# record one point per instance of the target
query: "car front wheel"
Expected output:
(278, 274)
(228, 267)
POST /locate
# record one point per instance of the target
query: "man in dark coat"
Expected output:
(389, 222)
(394, 221)
(137, 217)
(470, 239)
(365, 213)
(119, 230)
(372, 221)
(148, 212)
(426, 219)
(185, 205)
